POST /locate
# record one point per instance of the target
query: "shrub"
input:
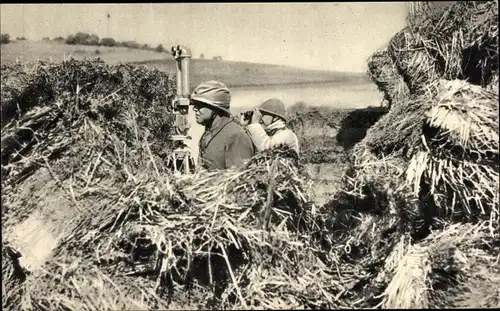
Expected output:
(131, 44)
(160, 48)
(4, 38)
(108, 42)
(83, 38)
(70, 39)
(92, 40)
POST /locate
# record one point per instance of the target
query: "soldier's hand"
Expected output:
(256, 116)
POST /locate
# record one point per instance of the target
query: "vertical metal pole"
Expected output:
(179, 77)
(185, 70)
(186, 164)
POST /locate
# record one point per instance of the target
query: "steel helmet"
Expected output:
(213, 93)
(273, 107)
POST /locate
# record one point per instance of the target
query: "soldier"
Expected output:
(268, 129)
(224, 143)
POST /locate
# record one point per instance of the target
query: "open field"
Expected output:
(231, 72)
(28, 50)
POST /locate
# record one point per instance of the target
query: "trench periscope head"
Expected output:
(182, 56)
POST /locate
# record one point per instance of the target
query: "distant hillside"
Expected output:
(229, 72)
(252, 74)
(47, 50)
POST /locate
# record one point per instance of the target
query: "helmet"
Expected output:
(273, 107)
(213, 93)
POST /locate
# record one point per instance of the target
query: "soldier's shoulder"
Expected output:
(289, 131)
(236, 130)
(235, 127)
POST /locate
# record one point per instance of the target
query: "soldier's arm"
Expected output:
(263, 141)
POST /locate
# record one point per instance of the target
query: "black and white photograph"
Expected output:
(246, 155)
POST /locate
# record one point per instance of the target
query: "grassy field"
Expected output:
(236, 73)
(32, 50)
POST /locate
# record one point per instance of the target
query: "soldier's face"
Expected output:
(266, 119)
(203, 113)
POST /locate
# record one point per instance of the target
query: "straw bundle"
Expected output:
(416, 64)
(433, 272)
(368, 217)
(69, 131)
(465, 116)
(384, 74)
(382, 197)
(369, 170)
(420, 11)
(93, 114)
(460, 159)
(416, 219)
(81, 286)
(398, 132)
(375, 219)
(452, 140)
(415, 9)
(240, 234)
(464, 37)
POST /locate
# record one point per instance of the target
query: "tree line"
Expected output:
(83, 38)
(92, 39)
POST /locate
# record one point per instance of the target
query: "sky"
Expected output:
(317, 35)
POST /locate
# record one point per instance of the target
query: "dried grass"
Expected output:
(398, 132)
(369, 217)
(461, 189)
(383, 72)
(250, 238)
(240, 234)
(459, 155)
(416, 218)
(79, 286)
(450, 142)
(430, 272)
(13, 275)
(368, 168)
(494, 83)
(81, 132)
(415, 62)
(450, 40)
(466, 117)
(395, 192)
(463, 35)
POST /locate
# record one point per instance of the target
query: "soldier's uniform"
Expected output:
(225, 143)
(276, 133)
